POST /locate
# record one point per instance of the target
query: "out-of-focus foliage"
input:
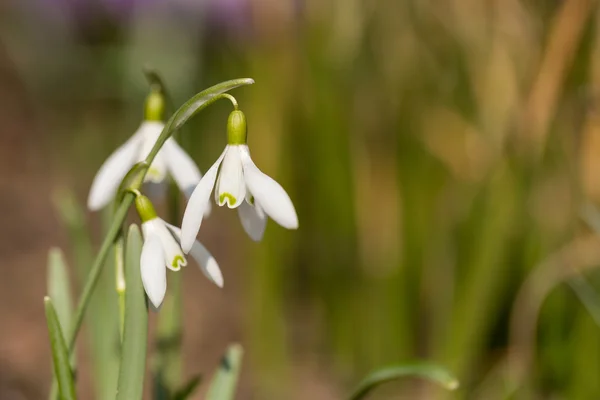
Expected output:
(443, 157)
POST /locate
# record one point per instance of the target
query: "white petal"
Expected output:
(194, 211)
(206, 262)
(269, 194)
(174, 257)
(154, 273)
(110, 174)
(181, 167)
(158, 169)
(253, 220)
(231, 188)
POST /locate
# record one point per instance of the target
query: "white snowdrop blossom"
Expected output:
(240, 185)
(171, 159)
(162, 250)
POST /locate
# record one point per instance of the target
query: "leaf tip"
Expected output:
(452, 384)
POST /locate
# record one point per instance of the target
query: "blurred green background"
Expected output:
(443, 157)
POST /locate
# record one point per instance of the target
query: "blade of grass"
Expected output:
(224, 383)
(187, 390)
(60, 353)
(587, 295)
(58, 287)
(431, 372)
(120, 280)
(135, 332)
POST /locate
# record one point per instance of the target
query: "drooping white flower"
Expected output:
(162, 250)
(240, 185)
(171, 159)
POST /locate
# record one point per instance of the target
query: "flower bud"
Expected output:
(236, 128)
(145, 208)
(155, 106)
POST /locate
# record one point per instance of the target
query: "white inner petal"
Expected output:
(231, 188)
(253, 219)
(174, 257)
(158, 170)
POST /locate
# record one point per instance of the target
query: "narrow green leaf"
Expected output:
(60, 353)
(72, 215)
(202, 99)
(59, 288)
(587, 295)
(102, 322)
(188, 389)
(190, 108)
(224, 382)
(423, 370)
(135, 332)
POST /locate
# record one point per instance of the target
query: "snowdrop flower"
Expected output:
(240, 185)
(170, 160)
(162, 251)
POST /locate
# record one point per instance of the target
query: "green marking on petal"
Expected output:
(177, 261)
(232, 200)
(153, 173)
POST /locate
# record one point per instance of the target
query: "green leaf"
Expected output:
(58, 287)
(135, 332)
(190, 108)
(224, 382)
(102, 322)
(72, 215)
(60, 353)
(187, 390)
(424, 370)
(202, 100)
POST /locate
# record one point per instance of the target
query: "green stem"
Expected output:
(177, 121)
(96, 269)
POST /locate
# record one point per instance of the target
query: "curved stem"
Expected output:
(178, 119)
(94, 274)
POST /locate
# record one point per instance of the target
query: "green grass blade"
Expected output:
(424, 370)
(59, 289)
(187, 390)
(60, 353)
(135, 332)
(224, 382)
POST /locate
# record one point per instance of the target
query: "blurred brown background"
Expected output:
(442, 157)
